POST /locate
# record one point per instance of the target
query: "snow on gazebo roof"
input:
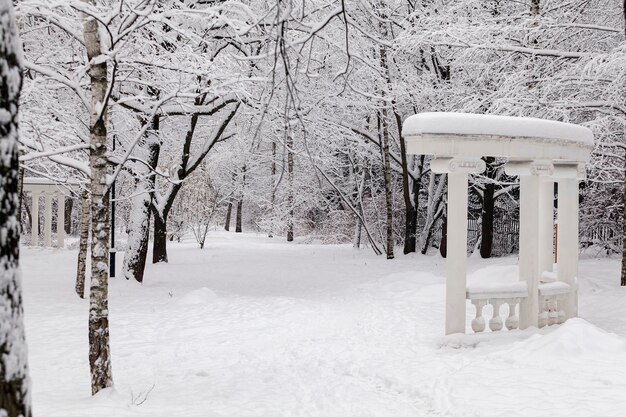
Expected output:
(457, 134)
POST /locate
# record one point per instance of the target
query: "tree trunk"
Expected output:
(488, 208)
(623, 278)
(14, 386)
(99, 351)
(68, 207)
(443, 245)
(410, 209)
(138, 234)
(240, 201)
(239, 214)
(159, 249)
(387, 180)
(486, 228)
(139, 225)
(229, 212)
(290, 197)
(273, 189)
(384, 122)
(83, 244)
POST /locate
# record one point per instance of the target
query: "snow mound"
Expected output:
(575, 337)
(200, 296)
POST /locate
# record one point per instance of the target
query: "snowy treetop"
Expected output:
(492, 125)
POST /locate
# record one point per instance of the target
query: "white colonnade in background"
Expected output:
(35, 188)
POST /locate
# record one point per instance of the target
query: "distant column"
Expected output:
(34, 234)
(47, 226)
(60, 220)
(456, 256)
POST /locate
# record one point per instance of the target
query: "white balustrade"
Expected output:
(552, 302)
(497, 296)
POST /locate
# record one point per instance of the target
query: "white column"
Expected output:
(34, 212)
(528, 248)
(546, 225)
(47, 226)
(456, 257)
(60, 220)
(567, 259)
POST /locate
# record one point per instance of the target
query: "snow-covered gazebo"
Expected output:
(540, 152)
(36, 187)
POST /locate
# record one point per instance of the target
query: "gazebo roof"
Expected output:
(477, 135)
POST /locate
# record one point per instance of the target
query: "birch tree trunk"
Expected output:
(290, 197)
(14, 386)
(623, 274)
(99, 353)
(273, 189)
(83, 244)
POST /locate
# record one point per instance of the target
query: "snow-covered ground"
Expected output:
(251, 326)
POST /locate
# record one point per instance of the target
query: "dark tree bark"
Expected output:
(69, 206)
(14, 386)
(240, 201)
(443, 245)
(383, 125)
(488, 208)
(486, 227)
(159, 249)
(239, 214)
(229, 212)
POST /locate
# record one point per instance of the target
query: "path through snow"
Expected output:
(251, 326)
